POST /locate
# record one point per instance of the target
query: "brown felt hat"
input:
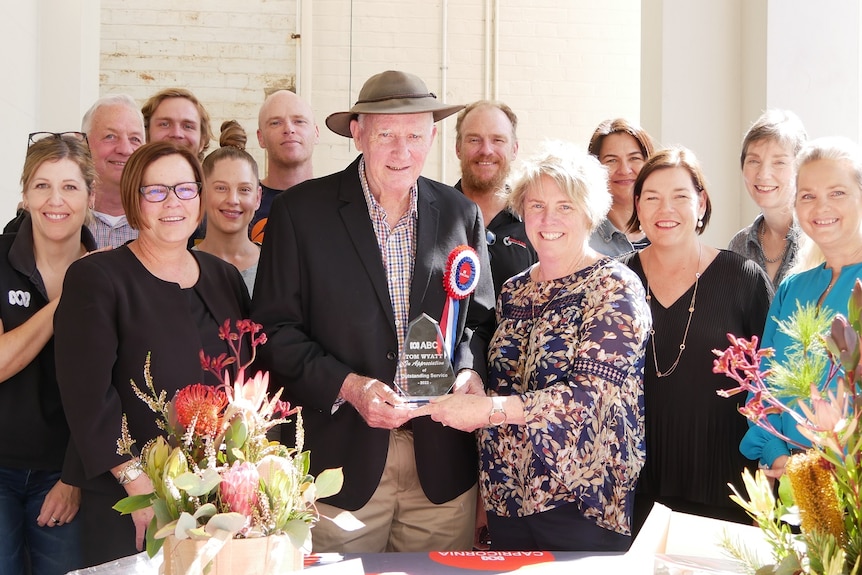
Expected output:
(391, 92)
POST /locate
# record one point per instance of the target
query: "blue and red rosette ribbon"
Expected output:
(459, 280)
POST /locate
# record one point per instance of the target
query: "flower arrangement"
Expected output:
(821, 490)
(215, 474)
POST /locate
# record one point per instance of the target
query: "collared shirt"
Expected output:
(610, 241)
(509, 250)
(746, 243)
(398, 251)
(31, 411)
(111, 234)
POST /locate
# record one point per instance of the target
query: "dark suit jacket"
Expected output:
(112, 313)
(323, 299)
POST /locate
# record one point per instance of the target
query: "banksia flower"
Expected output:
(815, 495)
(200, 406)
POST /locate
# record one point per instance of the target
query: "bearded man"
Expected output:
(486, 144)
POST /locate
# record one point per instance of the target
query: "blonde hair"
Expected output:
(232, 141)
(578, 174)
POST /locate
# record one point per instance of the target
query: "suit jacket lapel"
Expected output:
(426, 252)
(354, 213)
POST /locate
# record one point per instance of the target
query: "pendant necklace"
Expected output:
(659, 373)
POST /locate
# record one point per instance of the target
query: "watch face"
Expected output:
(497, 417)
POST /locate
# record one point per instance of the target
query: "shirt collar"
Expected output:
(412, 211)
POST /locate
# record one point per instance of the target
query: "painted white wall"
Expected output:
(51, 67)
(813, 64)
(562, 67)
(692, 87)
(692, 72)
(18, 107)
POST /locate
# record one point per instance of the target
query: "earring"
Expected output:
(699, 223)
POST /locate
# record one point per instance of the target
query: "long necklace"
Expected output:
(659, 373)
(763, 246)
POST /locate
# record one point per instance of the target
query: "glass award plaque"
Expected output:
(425, 363)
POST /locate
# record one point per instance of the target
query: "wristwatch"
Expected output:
(130, 472)
(497, 417)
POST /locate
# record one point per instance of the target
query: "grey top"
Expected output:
(746, 243)
(610, 241)
(247, 274)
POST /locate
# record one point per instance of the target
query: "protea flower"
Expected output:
(239, 487)
(201, 406)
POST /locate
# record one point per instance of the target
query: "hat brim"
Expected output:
(339, 122)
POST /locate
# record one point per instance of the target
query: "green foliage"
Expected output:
(806, 359)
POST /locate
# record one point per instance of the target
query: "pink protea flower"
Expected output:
(239, 488)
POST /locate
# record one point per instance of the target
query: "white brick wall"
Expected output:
(562, 66)
(230, 54)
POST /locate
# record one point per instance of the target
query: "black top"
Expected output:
(692, 434)
(509, 250)
(323, 299)
(112, 314)
(31, 414)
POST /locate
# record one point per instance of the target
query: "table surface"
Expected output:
(437, 563)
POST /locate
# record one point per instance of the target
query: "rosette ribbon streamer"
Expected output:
(459, 281)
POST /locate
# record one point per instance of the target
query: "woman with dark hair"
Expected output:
(697, 295)
(622, 148)
(232, 196)
(37, 509)
(769, 149)
(151, 298)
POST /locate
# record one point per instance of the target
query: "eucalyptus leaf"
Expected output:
(168, 529)
(206, 510)
(788, 566)
(199, 534)
(347, 521)
(198, 485)
(329, 482)
(232, 522)
(185, 523)
(299, 532)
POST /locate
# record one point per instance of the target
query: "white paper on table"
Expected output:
(349, 567)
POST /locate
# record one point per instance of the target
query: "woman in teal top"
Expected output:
(829, 209)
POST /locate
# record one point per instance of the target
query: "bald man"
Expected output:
(288, 133)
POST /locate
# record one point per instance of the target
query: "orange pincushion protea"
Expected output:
(201, 405)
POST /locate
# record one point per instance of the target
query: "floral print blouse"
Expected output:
(573, 349)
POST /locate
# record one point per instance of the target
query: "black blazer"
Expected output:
(112, 313)
(322, 296)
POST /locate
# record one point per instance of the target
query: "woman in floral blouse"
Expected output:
(561, 434)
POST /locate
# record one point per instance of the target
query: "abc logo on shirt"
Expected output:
(18, 297)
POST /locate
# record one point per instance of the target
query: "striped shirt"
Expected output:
(398, 251)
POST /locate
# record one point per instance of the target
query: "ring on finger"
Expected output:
(54, 520)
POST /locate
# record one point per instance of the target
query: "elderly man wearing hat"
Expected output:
(349, 260)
